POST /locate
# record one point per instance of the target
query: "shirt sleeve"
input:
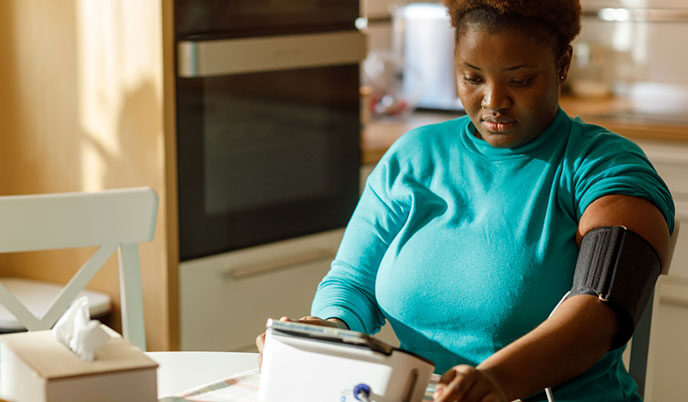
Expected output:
(347, 291)
(611, 164)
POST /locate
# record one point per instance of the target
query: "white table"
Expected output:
(182, 371)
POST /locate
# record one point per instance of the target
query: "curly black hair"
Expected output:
(556, 19)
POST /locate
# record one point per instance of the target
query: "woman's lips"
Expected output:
(499, 126)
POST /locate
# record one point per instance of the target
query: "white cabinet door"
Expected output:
(225, 300)
(375, 9)
(668, 361)
(668, 354)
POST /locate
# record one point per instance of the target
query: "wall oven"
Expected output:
(268, 129)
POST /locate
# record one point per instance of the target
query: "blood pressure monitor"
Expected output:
(310, 363)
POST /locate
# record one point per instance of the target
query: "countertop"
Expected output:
(618, 115)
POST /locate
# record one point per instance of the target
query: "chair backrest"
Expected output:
(672, 244)
(112, 219)
(640, 344)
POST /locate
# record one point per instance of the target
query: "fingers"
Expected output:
(260, 343)
(443, 382)
(447, 377)
(467, 384)
(309, 319)
(455, 383)
(481, 391)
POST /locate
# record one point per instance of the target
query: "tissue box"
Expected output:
(34, 366)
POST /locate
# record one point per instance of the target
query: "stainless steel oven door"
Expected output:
(268, 138)
(242, 18)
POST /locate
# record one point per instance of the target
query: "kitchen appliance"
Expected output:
(268, 126)
(304, 362)
(423, 37)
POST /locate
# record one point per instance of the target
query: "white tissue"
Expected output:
(78, 332)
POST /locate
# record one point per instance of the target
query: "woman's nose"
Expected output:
(495, 98)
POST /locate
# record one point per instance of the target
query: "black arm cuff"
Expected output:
(621, 268)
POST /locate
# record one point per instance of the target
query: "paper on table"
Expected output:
(244, 388)
(239, 388)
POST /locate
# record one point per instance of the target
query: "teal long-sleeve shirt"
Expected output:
(464, 247)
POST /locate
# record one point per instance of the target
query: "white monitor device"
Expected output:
(303, 362)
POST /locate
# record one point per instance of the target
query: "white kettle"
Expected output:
(423, 37)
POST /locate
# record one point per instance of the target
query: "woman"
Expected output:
(467, 233)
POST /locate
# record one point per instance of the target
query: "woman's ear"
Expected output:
(564, 63)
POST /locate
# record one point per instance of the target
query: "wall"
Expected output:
(379, 23)
(644, 48)
(81, 101)
(639, 50)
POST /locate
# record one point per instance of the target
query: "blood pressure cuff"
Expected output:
(620, 268)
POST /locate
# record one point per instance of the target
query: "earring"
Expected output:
(562, 77)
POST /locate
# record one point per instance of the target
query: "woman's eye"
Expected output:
(521, 83)
(472, 80)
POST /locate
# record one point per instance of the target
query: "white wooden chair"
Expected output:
(112, 219)
(641, 341)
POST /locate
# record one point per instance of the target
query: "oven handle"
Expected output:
(208, 58)
(281, 264)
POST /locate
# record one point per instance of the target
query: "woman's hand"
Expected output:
(332, 322)
(468, 384)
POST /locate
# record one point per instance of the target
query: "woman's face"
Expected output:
(508, 83)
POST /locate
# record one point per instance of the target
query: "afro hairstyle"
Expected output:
(560, 17)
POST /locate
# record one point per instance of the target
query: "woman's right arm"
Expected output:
(347, 292)
(346, 296)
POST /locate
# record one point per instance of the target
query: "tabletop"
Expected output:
(181, 371)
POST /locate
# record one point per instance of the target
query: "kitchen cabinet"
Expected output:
(219, 308)
(376, 9)
(668, 354)
(667, 363)
(379, 30)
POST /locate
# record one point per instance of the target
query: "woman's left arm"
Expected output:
(574, 338)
